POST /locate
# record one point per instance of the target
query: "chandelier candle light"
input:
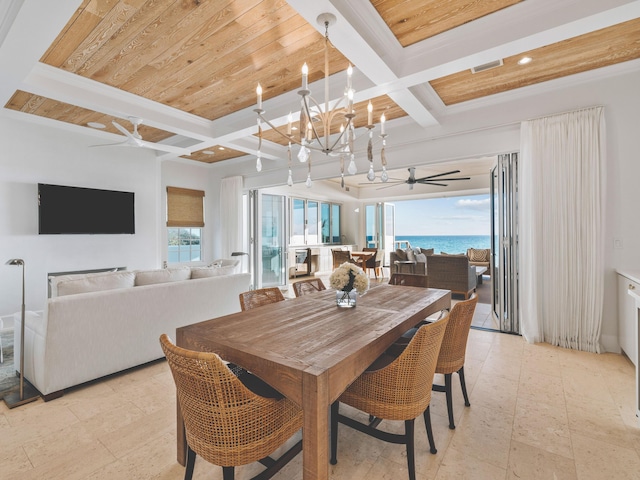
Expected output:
(311, 137)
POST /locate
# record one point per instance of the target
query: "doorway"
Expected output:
(504, 244)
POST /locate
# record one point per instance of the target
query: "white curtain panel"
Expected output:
(231, 215)
(561, 235)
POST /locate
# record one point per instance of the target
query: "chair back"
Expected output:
(262, 296)
(340, 257)
(373, 261)
(409, 280)
(225, 422)
(454, 345)
(308, 286)
(402, 389)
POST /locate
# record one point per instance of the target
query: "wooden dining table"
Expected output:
(311, 350)
(362, 258)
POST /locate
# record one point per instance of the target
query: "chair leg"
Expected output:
(335, 407)
(228, 473)
(409, 438)
(191, 460)
(464, 387)
(427, 423)
(447, 389)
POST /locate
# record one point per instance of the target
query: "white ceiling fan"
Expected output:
(134, 139)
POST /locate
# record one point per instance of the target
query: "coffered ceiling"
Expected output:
(189, 68)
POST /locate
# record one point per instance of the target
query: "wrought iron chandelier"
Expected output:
(316, 122)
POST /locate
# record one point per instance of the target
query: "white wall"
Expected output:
(35, 154)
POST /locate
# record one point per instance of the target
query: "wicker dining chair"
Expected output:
(452, 353)
(395, 389)
(308, 286)
(340, 257)
(257, 298)
(225, 422)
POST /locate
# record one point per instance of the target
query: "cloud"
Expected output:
(481, 205)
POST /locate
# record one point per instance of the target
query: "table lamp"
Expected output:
(26, 393)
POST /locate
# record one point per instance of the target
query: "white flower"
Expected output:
(349, 276)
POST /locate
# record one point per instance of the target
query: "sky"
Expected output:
(467, 215)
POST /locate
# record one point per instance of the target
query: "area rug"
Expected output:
(8, 379)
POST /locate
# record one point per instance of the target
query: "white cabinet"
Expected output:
(628, 316)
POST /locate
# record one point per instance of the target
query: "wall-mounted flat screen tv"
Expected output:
(76, 210)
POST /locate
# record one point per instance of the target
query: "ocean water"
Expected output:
(447, 243)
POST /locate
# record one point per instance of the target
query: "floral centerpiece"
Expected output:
(348, 279)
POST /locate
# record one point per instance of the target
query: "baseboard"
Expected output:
(610, 343)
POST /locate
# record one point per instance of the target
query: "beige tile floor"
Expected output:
(538, 412)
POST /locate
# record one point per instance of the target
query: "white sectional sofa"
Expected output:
(98, 324)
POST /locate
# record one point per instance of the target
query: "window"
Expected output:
(314, 222)
(185, 219)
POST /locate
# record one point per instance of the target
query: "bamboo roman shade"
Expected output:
(185, 207)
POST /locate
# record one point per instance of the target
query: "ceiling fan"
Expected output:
(428, 180)
(134, 139)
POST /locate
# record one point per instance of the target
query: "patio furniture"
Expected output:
(480, 257)
(452, 352)
(225, 422)
(395, 389)
(452, 272)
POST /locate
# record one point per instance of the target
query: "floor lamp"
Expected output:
(27, 393)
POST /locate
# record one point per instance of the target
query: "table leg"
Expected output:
(315, 431)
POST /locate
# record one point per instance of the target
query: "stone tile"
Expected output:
(457, 465)
(543, 426)
(530, 463)
(596, 460)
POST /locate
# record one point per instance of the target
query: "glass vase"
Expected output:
(346, 299)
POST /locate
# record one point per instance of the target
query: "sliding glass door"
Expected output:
(380, 228)
(504, 244)
(268, 239)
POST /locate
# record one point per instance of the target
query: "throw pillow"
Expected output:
(401, 254)
(96, 283)
(410, 255)
(427, 251)
(421, 258)
(57, 279)
(478, 255)
(162, 275)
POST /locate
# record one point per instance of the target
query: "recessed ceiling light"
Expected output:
(96, 125)
(208, 152)
(220, 148)
(524, 60)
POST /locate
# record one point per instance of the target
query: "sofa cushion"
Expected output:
(162, 275)
(212, 271)
(453, 254)
(478, 254)
(411, 256)
(91, 282)
(401, 255)
(426, 251)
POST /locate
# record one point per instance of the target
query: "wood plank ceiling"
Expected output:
(206, 57)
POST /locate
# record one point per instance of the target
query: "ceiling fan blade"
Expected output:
(126, 143)
(438, 175)
(425, 180)
(434, 183)
(127, 133)
(164, 148)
